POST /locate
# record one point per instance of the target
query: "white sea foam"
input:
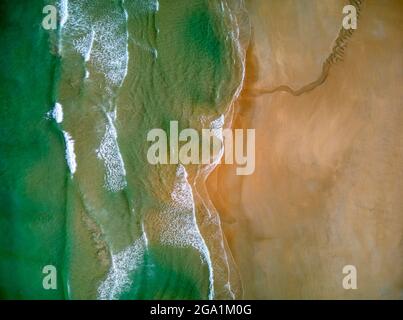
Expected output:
(103, 38)
(111, 56)
(127, 40)
(57, 112)
(70, 155)
(64, 12)
(122, 265)
(180, 227)
(115, 176)
(63, 9)
(87, 53)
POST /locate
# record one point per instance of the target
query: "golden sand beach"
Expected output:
(327, 190)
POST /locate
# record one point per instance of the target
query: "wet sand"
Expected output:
(327, 189)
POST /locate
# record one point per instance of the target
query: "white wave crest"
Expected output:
(57, 112)
(70, 155)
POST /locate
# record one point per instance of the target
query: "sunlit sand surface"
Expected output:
(327, 187)
(79, 194)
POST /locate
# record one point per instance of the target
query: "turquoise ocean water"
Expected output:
(76, 103)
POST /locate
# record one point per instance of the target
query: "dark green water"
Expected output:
(32, 201)
(79, 194)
